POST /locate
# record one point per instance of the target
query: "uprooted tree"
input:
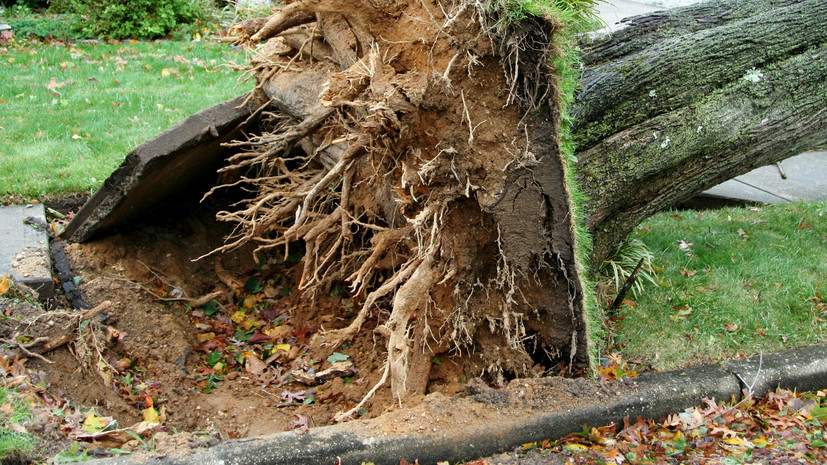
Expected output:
(413, 149)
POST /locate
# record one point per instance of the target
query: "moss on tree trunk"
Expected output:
(682, 111)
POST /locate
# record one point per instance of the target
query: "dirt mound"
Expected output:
(193, 365)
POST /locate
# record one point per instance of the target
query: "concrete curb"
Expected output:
(659, 394)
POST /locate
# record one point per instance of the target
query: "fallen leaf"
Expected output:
(337, 357)
(150, 415)
(684, 245)
(53, 84)
(6, 409)
(254, 365)
(93, 423)
(731, 327)
(5, 284)
(299, 426)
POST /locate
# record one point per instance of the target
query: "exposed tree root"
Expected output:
(366, 165)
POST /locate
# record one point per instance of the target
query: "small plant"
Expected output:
(622, 262)
(45, 27)
(72, 455)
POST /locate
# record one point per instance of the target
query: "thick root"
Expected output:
(407, 299)
(335, 338)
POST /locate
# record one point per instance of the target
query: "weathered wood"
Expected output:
(674, 118)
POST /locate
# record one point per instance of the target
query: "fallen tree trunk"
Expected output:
(683, 100)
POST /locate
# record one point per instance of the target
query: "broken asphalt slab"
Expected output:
(24, 250)
(657, 395)
(164, 168)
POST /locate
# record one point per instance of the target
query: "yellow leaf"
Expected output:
(165, 72)
(575, 447)
(147, 67)
(734, 441)
(151, 415)
(204, 337)
(159, 106)
(284, 347)
(250, 301)
(251, 323)
(238, 317)
(5, 284)
(93, 423)
(132, 41)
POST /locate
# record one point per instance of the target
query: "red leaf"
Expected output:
(258, 337)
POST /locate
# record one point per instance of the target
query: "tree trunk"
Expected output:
(412, 147)
(682, 100)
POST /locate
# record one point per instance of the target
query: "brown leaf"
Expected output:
(53, 84)
(254, 365)
(299, 426)
(731, 327)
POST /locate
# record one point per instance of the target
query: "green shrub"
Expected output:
(139, 19)
(27, 4)
(43, 27)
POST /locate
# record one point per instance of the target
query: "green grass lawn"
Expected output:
(69, 114)
(13, 412)
(732, 282)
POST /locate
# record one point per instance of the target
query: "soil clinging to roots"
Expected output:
(411, 146)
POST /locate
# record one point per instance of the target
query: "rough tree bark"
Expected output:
(412, 148)
(682, 100)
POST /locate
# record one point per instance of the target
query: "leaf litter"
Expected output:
(779, 428)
